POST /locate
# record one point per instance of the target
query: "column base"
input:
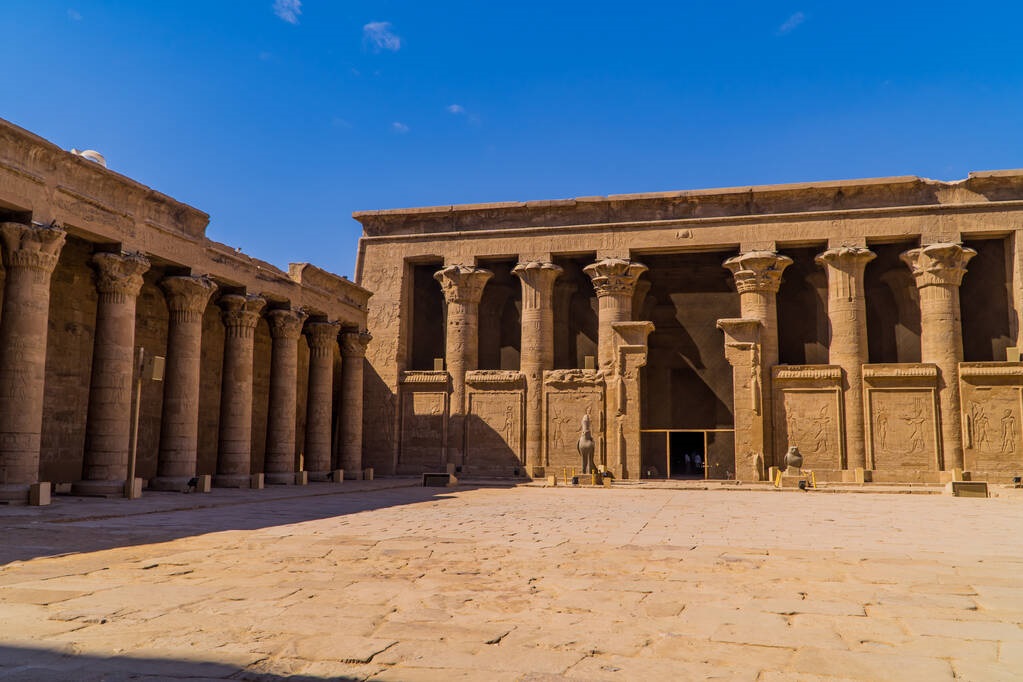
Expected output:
(232, 481)
(98, 488)
(177, 484)
(14, 493)
(320, 476)
(287, 478)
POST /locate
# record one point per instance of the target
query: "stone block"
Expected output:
(552, 481)
(204, 483)
(256, 481)
(439, 480)
(367, 474)
(301, 478)
(133, 489)
(451, 468)
(967, 488)
(39, 494)
(337, 475)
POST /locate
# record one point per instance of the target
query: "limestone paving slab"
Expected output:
(516, 583)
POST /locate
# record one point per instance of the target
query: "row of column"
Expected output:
(30, 256)
(614, 280)
(938, 271)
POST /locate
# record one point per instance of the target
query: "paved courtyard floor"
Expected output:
(526, 583)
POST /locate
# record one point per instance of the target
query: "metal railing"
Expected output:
(667, 445)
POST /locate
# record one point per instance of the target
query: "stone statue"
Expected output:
(585, 445)
(793, 460)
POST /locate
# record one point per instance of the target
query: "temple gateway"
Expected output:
(873, 324)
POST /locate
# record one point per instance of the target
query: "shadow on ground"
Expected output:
(76, 524)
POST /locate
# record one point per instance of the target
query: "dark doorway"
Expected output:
(687, 455)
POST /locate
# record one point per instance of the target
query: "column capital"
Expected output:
(120, 273)
(462, 283)
(286, 323)
(614, 275)
(537, 273)
(188, 294)
(321, 335)
(28, 246)
(942, 264)
(756, 271)
(354, 342)
(846, 258)
(241, 311)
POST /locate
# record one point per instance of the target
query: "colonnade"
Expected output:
(938, 270)
(30, 254)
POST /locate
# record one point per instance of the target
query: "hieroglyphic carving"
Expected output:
(903, 428)
(992, 395)
(563, 415)
(810, 419)
(494, 430)
(423, 431)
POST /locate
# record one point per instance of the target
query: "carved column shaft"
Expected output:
(322, 337)
(614, 280)
(179, 427)
(234, 451)
(30, 256)
(285, 328)
(742, 350)
(757, 278)
(353, 353)
(463, 288)
(847, 314)
(537, 347)
(938, 270)
(108, 428)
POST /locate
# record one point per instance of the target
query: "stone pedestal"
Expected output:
(938, 270)
(322, 338)
(234, 447)
(537, 346)
(187, 297)
(285, 328)
(30, 256)
(614, 280)
(463, 288)
(353, 354)
(757, 278)
(108, 429)
(847, 314)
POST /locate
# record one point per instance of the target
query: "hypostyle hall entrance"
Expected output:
(687, 382)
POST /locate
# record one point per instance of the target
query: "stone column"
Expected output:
(285, 328)
(234, 448)
(353, 353)
(186, 297)
(322, 338)
(938, 270)
(537, 347)
(30, 256)
(743, 350)
(758, 277)
(614, 280)
(463, 288)
(108, 428)
(847, 314)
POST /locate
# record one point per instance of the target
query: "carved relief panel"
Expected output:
(568, 396)
(903, 431)
(992, 404)
(424, 422)
(495, 424)
(808, 414)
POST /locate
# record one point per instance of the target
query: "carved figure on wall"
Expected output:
(585, 445)
(791, 422)
(881, 425)
(916, 434)
(557, 438)
(820, 436)
(509, 424)
(1008, 432)
(980, 424)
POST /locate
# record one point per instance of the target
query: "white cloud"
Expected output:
(791, 23)
(380, 36)
(456, 109)
(74, 15)
(399, 127)
(288, 10)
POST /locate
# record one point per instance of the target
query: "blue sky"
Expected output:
(280, 118)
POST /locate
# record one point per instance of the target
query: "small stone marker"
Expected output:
(337, 475)
(204, 483)
(256, 481)
(552, 481)
(133, 489)
(39, 494)
(367, 474)
(969, 488)
(301, 478)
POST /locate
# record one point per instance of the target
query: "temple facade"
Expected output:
(873, 324)
(263, 372)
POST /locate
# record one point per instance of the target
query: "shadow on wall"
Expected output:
(75, 524)
(42, 665)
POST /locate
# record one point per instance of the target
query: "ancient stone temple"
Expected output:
(873, 324)
(263, 372)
